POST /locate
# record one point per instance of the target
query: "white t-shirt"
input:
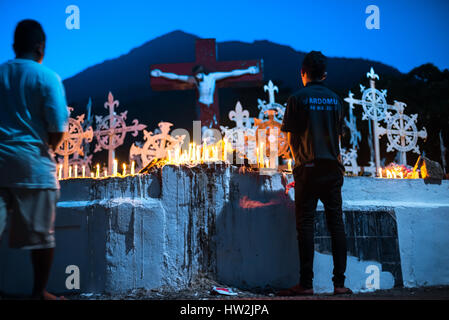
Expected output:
(32, 103)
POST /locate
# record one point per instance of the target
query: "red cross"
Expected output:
(205, 52)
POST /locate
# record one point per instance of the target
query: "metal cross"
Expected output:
(402, 132)
(157, 145)
(352, 123)
(272, 104)
(111, 130)
(72, 141)
(374, 109)
(243, 136)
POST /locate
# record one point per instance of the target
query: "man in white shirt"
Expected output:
(33, 119)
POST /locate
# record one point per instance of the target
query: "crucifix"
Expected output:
(111, 130)
(206, 74)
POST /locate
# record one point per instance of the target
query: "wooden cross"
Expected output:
(206, 56)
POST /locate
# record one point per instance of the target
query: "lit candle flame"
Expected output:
(133, 164)
(98, 170)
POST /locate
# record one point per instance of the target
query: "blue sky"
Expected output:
(411, 32)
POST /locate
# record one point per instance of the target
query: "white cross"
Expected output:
(111, 130)
(402, 132)
(72, 141)
(272, 104)
(156, 146)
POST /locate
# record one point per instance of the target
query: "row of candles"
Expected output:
(397, 174)
(196, 154)
(73, 171)
(216, 152)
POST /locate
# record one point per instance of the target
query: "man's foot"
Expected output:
(297, 290)
(47, 296)
(342, 290)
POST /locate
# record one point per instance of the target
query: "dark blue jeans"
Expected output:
(321, 180)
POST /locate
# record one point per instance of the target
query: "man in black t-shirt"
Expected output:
(313, 121)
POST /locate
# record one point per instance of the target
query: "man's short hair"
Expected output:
(314, 64)
(199, 69)
(27, 35)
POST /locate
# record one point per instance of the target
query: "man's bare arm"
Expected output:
(55, 138)
(235, 73)
(172, 76)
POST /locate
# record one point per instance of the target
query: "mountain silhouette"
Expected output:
(128, 78)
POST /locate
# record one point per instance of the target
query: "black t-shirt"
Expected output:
(314, 116)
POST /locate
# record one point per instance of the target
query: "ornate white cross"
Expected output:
(111, 130)
(72, 141)
(272, 104)
(349, 159)
(402, 132)
(243, 136)
(272, 125)
(352, 123)
(375, 108)
(156, 146)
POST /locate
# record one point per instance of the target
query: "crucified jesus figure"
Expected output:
(205, 83)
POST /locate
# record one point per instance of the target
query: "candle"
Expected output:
(76, 171)
(105, 172)
(70, 171)
(225, 150)
(84, 171)
(190, 151)
(203, 155)
(380, 172)
(60, 172)
(198, 153)
(115, 168)
(289, 164)
(132, 167)
(92, 175)
(98, 170)
(124, 169)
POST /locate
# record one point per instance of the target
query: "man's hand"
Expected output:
(156, 73)
(253, 70)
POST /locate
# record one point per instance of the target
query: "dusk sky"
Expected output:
(411, 32)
